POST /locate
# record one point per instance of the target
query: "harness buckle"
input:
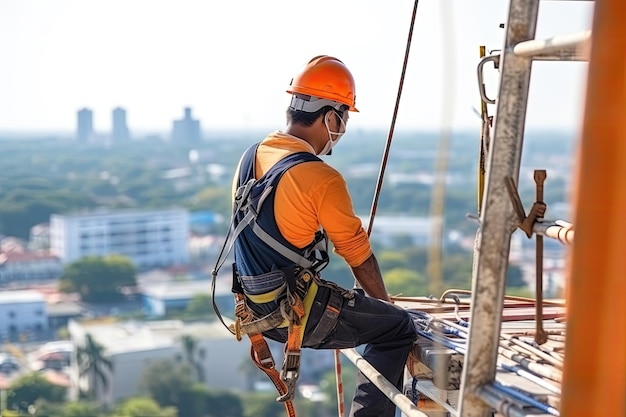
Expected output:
(289, 375)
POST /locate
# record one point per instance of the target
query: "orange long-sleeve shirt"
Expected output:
(312, 194)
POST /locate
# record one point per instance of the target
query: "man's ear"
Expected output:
(322, 118)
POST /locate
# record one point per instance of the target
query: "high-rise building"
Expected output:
(120, 131)
(149, 238)
(84, 125)
(187, 129)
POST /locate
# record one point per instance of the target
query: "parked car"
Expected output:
(8, 364)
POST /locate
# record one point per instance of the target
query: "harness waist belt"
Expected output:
(269, 322)
(328, 319)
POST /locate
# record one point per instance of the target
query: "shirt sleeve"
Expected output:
(343, 227)
(314, 194)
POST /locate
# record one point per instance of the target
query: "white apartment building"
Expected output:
(22, 313)
(149, 238)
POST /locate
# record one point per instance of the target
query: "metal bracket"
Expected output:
(537, 211)
(481, 85)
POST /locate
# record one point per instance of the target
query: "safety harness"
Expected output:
(270, 276)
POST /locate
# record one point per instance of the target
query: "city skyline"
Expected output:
(232, 67)
(186, 129)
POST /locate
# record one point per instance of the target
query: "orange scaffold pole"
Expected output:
(595, 357)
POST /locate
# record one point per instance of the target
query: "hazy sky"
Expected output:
(232, 60)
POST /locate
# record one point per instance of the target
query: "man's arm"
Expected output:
(368, 276)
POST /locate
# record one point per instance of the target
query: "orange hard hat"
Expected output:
(323, 79)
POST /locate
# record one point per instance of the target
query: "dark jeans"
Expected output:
(386, 329)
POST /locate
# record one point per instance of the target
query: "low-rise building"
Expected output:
(60, 313)
(132, 347)
(161, 298)
(28, 267)
(23, 315)
(55, 355)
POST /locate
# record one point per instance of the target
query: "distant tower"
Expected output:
(84, 125)
(186, 129)
(120, 132)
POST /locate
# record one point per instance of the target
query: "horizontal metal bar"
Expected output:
(422, 386)
(525, 398)
(571, 46)
(562, 56)
(386, 387)
(503, 405)
(557, 229)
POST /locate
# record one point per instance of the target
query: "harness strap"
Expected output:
(279, 247)
(285, 381)
(241, 197)
(262, 358)
(290, 370)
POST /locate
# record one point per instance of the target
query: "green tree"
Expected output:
(328, 385)
(457, 270)
(263, 404)
(515, 277)
(216, 199)
(93, 364)
(81, 409)
(201, 306)
(390, 259)
(417, 257)
(98, 279)
(194, 402)
(165, 381)
(200, 401)
(70, 409)
(224, 404)
(143, 407)
(407, 282)
(193, 355)
(26, 390)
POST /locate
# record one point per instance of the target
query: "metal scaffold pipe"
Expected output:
(559, 230)
(400, 400)
(514, 397)
(572, 46)
(504, 406)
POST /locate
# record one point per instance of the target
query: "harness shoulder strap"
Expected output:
(252, 206)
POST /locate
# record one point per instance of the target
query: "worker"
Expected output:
(288, 206)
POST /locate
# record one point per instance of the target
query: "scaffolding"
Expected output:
(594, 374)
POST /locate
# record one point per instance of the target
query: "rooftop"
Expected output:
(63, 309)
(20, 296)
(179, 290)
(132, 336)
(15, 256)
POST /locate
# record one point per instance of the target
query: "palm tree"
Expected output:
(189, 345)
(92, 363)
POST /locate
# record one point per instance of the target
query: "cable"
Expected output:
(379, 183)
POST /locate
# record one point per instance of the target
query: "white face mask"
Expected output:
(331, 143)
